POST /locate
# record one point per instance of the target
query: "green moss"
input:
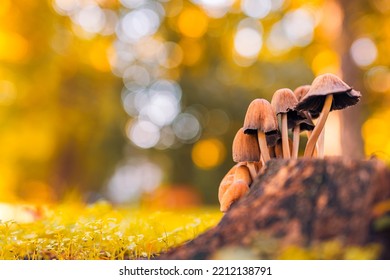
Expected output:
(100, 231)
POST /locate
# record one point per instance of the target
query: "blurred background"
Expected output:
(138, 101)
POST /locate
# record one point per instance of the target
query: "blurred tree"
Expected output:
(60, 123)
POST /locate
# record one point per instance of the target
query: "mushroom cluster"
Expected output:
(265, 132)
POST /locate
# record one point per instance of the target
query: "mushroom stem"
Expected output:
(320, 144)
(311, 143)
(252, 170)
(286, 148)
(308, 134)
(263, 146)
(296, 131)
(278, 150)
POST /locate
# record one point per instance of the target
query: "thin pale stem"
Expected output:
(320, 144)
(311, 143)
(296, 132)
(308, 134)
(252, 169)
(263, 146)
(285, 145)
(278, 150)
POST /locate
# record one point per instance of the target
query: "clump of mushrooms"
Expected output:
(263, 137)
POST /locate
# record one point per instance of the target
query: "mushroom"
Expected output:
(236, 191)
(261, 119)
(327, 93)
(245, 148)
(300, 92)
(283, 102)
(237, 187)
(226, 181)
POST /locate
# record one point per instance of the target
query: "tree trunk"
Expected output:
(301, 202)
(351, 119)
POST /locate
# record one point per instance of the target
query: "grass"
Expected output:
(100, 231)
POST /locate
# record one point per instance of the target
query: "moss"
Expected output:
(100, 231)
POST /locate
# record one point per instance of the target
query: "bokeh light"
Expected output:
(186, 127)
(143, 133)
(192, 23)
(215, 8)
(377, 79)
(326, 61)
(363, 51)
(13, 47)
(256, 9)
(129, 181)
(91, 18)
(299, 27)
(209, 153)
(138, 24)
(248, 42)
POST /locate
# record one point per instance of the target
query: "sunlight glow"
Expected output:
(129, 181)
(91, 18)
(248, 42)
(299, 27)
(186, 127)
(192, 23)
(215, 8)
(143, 134)
(139, 23)
(377, 79)
(207, 154)
(256, 9)
(363, 51)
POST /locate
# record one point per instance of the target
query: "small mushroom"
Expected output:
(233, 193)
(226, 181)
(245, 148)
(300, 92)
(283, 102)
(242, 174)
(327, 93)
(261, 119)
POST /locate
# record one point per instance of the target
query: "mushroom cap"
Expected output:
(260, 116)
(343, 95)
(301, 91)
(272, 137)
(245, 147)
(305, 124)
(283, 101)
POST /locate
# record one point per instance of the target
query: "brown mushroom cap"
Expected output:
(260, 116)
(343, 95)
(245, 147)
(306, 124)
(301, 91)
(284, 101)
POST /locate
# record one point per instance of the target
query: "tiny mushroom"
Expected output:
(236, 191)
(226, 181)
(327, 93)
(261, 119)
(234, 185)
(283, 102)
(300, 92)
(245, 149)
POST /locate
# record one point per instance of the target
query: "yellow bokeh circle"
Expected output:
(192, 23)
(207, 154)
